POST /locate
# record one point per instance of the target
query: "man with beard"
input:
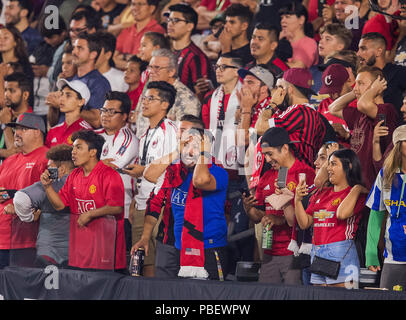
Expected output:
(17, 91)
(17, 13)
(17, 172)
(371, 52)
(290, 110)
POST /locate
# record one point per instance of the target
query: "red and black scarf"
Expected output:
(192, 241)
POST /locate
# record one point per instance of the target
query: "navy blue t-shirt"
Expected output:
(214, 222)
(98, 86)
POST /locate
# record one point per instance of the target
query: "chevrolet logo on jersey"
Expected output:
(323, 215)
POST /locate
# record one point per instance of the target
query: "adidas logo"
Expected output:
(267, 187)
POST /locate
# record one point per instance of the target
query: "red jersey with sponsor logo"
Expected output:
(281, 234)
(326, 227)
(62, 133)
(17, 172)
(93, 246)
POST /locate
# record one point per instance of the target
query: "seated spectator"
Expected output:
(132, 77)
(41, 60)
(193, 64)
(278, 149)
(17, 92)
(234, 37)
(157, 141)
(163, 67)
(109, 10)
(69, 69)
(17, 14)
(128, 41)
(335, 212)
(18, 172)
(294, 28)
(368, 90)
(388, 185)
(264, 43)
(68, 8)
(124, 20)
(120, 148)
(73, 97)
(31, 204)
(399, 56)
(372, 48)
(93, 191)
(196, 174)
(105, 63)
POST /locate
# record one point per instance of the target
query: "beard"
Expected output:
(285, 103)
(13, 105)
(371, 61)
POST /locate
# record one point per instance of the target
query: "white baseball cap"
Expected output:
(76, 85)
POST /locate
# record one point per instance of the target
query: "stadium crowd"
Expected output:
(205, 132)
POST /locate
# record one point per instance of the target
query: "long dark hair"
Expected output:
(298, 9)
(351, 166)
(20, 50)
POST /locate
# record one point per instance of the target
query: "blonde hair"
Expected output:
(391, 164)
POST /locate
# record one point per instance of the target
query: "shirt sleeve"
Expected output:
(23, 206)
(128, 149)
(375, 199)
(221, 177)
(373, 234)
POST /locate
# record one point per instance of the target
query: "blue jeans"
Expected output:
(343, 251)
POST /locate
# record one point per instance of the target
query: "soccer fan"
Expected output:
(95, 194)
(128, 41)
(198, 189)
(121, 146)
(16, 95)
(387, 196)
(31, 204)
(278, 149)
(335, 212)
(292, 112)
(371, 52)
(73, 97)
(157, 141)
(163, 67)
(17, 13)
(17, 172)
(105, 63)
(263, 45)
(234, 37)
(368, 90)
(132, 77)
(109, 10)
(193, 64)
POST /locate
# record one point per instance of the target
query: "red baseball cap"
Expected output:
(333, 79)
(299, 77)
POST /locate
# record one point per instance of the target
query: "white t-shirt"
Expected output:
(157, 142)
(116, 80)
(123, 147)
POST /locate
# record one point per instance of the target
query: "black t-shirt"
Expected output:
(244, 53)
(395, 76)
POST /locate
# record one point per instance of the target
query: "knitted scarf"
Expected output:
(192, 242)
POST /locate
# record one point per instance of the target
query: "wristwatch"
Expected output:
(206, 154)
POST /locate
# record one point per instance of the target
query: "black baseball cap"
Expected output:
(276, 137)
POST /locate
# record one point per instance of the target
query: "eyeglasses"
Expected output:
(156, 68)
(110, 112)
(176, 20)
(77, 30)
(223, 67)
(148, 99)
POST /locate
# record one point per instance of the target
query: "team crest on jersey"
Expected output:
(231, 156)
(105, 151)
(70, 140)
(336, 202)
(155, 143)
(258, 160)
(92, 189)
(291, 186)
(323, 215)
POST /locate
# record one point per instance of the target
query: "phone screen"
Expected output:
(282, 176)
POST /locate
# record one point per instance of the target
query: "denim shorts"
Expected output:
(349, 267)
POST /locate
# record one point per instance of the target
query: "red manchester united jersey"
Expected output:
(93, 246)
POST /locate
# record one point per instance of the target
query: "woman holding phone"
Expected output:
(334, 212)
